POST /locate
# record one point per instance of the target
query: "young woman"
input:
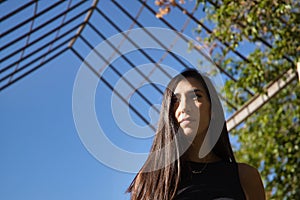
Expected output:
(178, 167)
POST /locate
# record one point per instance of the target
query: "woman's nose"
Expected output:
(184, 105)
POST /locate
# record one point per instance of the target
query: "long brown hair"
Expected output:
(154, 182)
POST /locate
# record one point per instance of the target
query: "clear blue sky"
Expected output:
(41, 154)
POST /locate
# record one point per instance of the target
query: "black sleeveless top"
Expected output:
(210, 181)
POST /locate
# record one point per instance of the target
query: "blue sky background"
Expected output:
(42, 156)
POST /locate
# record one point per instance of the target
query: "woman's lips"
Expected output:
(186, 121)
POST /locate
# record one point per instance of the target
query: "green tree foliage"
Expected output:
(267, 32)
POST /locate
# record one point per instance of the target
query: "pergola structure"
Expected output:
(48, 30)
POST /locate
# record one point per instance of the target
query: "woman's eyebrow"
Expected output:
(190, 91)
(196, 90)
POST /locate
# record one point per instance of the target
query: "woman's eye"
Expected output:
(197, 96)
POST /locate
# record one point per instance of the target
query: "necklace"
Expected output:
(200, 171)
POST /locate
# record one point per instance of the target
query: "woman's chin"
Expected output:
(189, 133)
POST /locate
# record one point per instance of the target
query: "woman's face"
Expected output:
(192, 107)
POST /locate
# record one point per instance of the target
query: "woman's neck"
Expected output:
(192, 154)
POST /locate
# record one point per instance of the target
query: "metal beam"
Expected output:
(86, 19)
(258, 100)
(298, 68)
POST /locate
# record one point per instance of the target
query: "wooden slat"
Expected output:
(258, 101)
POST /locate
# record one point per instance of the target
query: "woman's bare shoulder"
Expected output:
(245, 169)
(251, 182)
